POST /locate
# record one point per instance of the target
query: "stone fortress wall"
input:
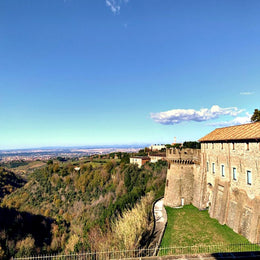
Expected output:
(184, 180)
(233, 198)
(206, 178)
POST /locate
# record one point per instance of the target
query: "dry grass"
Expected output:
(130, 227)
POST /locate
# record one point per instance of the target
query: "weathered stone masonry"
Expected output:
(184, 182)
(224, 175)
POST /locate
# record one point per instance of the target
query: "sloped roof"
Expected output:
(141, 157)
(239, 132)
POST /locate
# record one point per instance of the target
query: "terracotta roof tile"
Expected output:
(239, 132)
(141, 157)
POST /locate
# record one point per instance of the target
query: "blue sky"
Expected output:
(82, 72)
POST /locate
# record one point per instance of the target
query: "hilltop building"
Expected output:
(223, 176)
(157, 157)
(139, 160)
(153, 158)
(157, 147)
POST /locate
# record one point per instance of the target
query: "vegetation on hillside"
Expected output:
(82, 208)
(23, 233)
(22, 168)
(14, 163)
(9, 182)
(130, 230)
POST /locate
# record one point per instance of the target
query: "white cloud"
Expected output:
(236, 121)
(115, 8)
(247, 93)
(115, 5)
(177, 116)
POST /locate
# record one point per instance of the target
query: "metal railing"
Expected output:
(165, 251)
(210, 249)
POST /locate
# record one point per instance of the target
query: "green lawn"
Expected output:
(189, 226)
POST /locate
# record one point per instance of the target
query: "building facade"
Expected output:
(156, 158)
(139, 160)
(157, 147)
(224, 175)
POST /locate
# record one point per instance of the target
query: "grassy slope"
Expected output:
(189, 226)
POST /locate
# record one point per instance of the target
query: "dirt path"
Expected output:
(160, 223)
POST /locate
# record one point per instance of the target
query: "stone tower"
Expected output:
(185, 182)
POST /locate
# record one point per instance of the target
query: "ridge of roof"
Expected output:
(237, 125)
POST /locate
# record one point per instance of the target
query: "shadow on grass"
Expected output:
(237, 255)
(219, 250)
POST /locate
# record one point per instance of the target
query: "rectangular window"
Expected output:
(249, 177)
(233, 146)
(234, 173)
(223, 170)
(213, 167)
(247, 145)
(212, 145)
(221, 145)
(207, 166)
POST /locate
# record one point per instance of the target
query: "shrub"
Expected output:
(129, 228)
(25, 247)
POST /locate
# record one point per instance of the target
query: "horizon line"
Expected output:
(77, 146)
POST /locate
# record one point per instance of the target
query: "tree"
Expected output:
(50, 162)
(191, 144)
(256, 116)
(142, 152)
(125, 158)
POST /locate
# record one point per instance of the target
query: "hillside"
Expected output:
(82, 204)
(9, 182)
(22, 168)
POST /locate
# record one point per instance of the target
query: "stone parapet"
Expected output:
(184, 155)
